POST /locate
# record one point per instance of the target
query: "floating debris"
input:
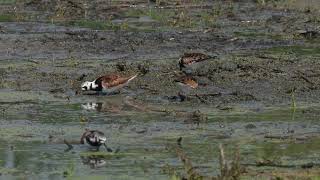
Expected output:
(231, 170)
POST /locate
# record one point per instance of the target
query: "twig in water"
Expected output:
(302, 76)
(223, 165)
(189, 169)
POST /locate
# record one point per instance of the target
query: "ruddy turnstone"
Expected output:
(107, 83)
(187, 81)
(95, 138)
(190, 58)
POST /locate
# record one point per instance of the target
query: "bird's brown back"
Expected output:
(112, 80)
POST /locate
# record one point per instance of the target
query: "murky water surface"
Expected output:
(32, 140)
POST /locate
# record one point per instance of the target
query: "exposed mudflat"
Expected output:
(258, 93)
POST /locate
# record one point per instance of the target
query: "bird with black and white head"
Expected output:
(107, 83)
(95, 138)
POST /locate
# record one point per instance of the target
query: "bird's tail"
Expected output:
(132, 77)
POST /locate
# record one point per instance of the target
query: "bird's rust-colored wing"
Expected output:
(113, 80)
(189, 81)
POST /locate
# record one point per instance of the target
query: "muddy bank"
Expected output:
(266, 78)
(253, 65)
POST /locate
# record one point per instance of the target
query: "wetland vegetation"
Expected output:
(251, 111)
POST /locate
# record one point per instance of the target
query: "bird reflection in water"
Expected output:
(104, 107)
(93, 161)
(117, 105)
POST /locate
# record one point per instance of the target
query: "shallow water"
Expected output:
(32, 140)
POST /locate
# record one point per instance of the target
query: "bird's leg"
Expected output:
(108, 149)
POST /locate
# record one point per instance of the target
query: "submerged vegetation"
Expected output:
(228, 171)
(7, 2)
(7, 18)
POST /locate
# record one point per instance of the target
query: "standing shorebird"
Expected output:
(190, 58)
(95, 138)
(107, 83)
(188, 81)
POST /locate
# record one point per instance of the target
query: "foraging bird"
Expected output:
(190, 58)
(187, 81)
(95, 138)
(108, 83)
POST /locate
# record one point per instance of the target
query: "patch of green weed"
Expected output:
(91, 24)
(7, 17)
(7, 2)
